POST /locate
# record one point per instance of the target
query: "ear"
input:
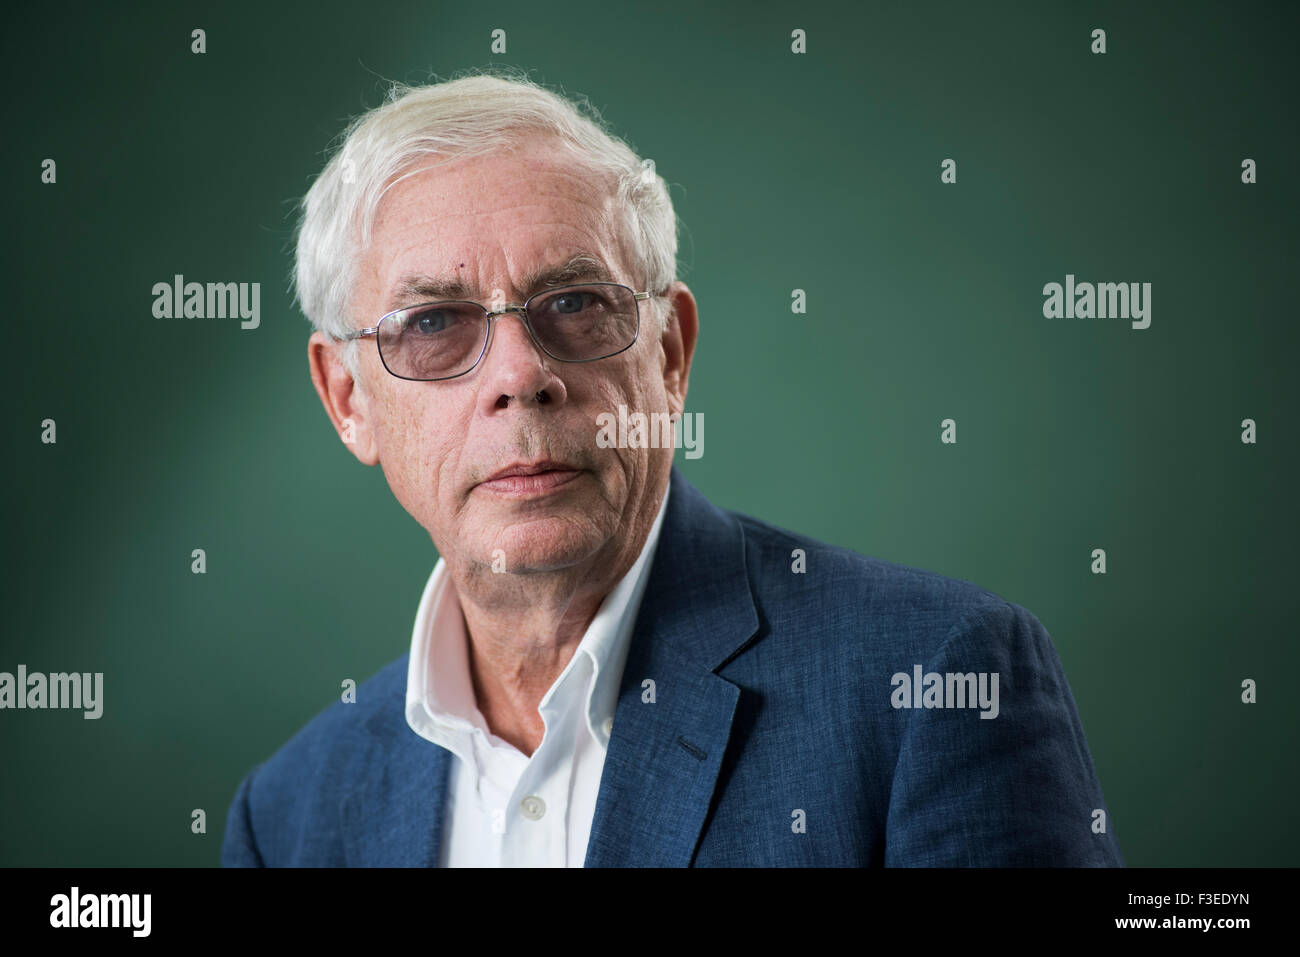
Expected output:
(344, 399)
(677, 346)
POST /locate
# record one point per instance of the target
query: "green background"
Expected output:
(816, 171)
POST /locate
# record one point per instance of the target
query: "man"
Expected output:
(606, 669)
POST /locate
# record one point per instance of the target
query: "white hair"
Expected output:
(474, 115)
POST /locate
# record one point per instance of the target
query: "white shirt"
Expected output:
(504, 808)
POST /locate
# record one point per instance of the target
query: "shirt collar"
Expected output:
(440, 702)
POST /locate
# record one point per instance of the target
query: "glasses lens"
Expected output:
(433, 341)
(585, 322)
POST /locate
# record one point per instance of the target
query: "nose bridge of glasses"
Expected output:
(505, 310)
(519, 313)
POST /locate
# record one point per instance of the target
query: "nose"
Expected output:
(514, 368)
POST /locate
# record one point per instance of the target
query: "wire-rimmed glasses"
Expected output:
(442, 340)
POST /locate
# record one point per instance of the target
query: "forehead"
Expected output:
(515, 220)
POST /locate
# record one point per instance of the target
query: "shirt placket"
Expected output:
(538, 833)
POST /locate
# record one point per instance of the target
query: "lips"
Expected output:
(530, 468)
(529, 480)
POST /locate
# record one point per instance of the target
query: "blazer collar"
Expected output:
(671, 724)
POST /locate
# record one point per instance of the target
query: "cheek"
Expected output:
(416, 459)
(636, 382)
(644, 387)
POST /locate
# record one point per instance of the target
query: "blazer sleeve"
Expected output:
(239, 848)
(1018, 789)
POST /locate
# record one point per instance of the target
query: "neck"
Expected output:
(524, 628)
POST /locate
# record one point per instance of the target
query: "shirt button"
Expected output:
(533, 807)
(609, 726)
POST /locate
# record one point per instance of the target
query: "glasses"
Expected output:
(443, 340)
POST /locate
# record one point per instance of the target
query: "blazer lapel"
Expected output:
(394, 818)
(664, 754)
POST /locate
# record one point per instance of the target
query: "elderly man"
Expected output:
(606, 669)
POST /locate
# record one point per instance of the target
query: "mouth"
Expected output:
(525, 479)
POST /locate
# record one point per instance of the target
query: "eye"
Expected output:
(571, 303)
(587, 302)
(435, 320)
(429, 322)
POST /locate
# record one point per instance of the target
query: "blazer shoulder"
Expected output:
(836, 609)
(775, 553)
(286, 809)
(329, 747)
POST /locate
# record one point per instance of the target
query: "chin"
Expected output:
(545, 543)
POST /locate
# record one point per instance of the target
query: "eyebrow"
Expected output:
(418, 288)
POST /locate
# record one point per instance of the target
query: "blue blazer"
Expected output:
(776, 735)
